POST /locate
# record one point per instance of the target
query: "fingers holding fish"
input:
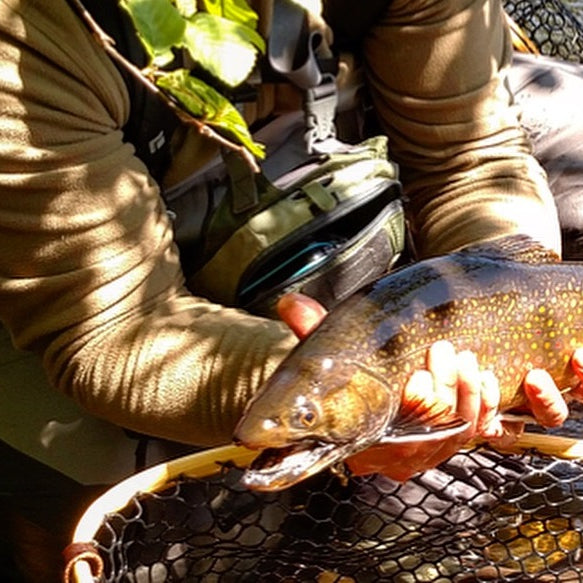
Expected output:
(478, 400)
(489, 424)
(460, 384)
(438, 384)
(421, 388)
(469, 389)
(509, 432)
(500, 432)
(451, 380)
(577, 366)
(442, 366)
(300, 312)
(545, 400)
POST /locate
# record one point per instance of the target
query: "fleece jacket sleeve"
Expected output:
(438, 75)
(89, 275)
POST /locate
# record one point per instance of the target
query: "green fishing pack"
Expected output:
(323, 216)
(324, 228)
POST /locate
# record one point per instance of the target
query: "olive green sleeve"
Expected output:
(89, 275)
(437, 71)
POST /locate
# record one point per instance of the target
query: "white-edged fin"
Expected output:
(422, 433)
(418, 434)
(423, 420)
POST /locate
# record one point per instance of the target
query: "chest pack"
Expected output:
(323, 216)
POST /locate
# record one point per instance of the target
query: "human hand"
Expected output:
(300, 312)
(455, 380)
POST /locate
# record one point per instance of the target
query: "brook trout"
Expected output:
(512, 302)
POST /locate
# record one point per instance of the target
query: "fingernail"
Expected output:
(467, 359)
(491, 427)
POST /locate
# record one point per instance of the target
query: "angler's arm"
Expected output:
(437, 71)
(89, 276)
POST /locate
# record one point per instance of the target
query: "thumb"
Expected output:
(301, 313)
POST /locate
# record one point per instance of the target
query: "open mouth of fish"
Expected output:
(278, 468)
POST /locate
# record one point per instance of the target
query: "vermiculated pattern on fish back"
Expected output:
(514, 316)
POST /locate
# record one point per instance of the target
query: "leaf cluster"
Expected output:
(220, 36)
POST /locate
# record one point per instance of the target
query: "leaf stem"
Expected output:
(108, 44)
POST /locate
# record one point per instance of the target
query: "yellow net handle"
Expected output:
(520, 40)
(566, 448)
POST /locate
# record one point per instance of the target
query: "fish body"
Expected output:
(511, 302)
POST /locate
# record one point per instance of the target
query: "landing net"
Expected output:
(554, 26)
(481, 516)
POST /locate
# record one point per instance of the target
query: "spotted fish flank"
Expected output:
(511, 302)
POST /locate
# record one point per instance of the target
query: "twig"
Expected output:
(204, 129)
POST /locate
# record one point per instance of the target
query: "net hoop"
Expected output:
(83, 567)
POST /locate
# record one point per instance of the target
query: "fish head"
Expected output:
(311, 414)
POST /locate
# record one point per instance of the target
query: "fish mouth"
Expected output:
(278, 468)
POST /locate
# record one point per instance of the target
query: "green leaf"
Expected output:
(235, 10)
(206, 104)
(226, 49)
(159, 26)
(182, 86)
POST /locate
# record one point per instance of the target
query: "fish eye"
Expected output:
(305, 418)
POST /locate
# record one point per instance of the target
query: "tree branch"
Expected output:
(204, 129)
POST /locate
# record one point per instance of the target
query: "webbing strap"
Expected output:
(292, 47)
(293, 52)
(320, 111)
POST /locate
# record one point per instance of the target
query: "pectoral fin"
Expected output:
(419, 422)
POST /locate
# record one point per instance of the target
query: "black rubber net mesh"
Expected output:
(481, 516)
(554, 26)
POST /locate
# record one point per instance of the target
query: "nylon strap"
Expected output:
(291, 47)
(293, 53)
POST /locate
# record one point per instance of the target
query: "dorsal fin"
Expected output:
(514, 248)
